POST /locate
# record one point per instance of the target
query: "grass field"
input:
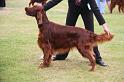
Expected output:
(19, 53)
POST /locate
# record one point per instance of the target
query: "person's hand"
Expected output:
(39, 5)
(106, 29)
(78, 2)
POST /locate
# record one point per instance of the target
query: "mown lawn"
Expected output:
(19, 53)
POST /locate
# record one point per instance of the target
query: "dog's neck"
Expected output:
(44, 19)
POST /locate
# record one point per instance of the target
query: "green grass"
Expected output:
(19, 53)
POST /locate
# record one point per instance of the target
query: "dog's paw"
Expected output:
(41, 66)
(92, 70)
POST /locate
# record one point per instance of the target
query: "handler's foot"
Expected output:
(60, 56)
(55, 58)
(101, 63)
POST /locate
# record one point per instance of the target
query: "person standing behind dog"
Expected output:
(108, 4)
(80, 7)
(101, 5)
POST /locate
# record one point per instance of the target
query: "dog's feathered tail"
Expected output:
(103, 38)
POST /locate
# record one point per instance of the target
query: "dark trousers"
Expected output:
(2, 3)
(88, 20)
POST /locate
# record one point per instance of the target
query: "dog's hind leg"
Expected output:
(88, 53)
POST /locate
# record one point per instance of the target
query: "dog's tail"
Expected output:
(103, 38)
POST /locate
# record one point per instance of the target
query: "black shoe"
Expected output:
(55, 58)
(60, 56)
(101, 63)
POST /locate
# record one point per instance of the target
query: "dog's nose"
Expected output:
(26, 8)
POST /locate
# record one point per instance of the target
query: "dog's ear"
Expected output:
(39, 17)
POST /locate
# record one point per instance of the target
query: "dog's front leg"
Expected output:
(47, 56)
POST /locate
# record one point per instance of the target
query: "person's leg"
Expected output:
(102, 7)
(2, 3)
(89, 25)
(98, 4)
(108, 4)
(71, 21)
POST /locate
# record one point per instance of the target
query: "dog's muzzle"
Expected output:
(30, 12)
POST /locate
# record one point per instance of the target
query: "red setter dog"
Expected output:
(54, 37)
(120, 4)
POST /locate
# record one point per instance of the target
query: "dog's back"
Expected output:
(69, 36)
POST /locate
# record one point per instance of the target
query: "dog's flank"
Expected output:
(54, 37)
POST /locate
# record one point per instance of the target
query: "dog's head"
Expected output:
(35, 11)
